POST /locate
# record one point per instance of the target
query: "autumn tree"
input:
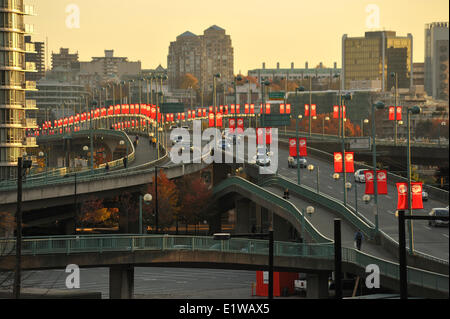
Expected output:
(189, 81)
(168, 204)
(91, 212)
(195, 197)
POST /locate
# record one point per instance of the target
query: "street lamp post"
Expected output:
(297, 117)
(346, 97)
(394, 75)
(411, 110)
(147, 198)
(442, 124)
(326, 118)
(311, 168)
(379, 105)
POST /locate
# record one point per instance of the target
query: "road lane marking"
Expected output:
(445, 235)
(427, 227)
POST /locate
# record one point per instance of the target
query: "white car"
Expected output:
(359, 176)
(262, 157)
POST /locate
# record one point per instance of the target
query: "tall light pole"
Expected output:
(297, 117)
(343, 98)
(394, 75)
(326, 118)
(411, 110)
(380, 106)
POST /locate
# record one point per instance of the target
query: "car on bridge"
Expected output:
(359, 176)
(262, 157)
(292, 162)
(442, 212)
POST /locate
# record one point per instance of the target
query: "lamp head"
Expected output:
(336, 176)
(366, 198)
(348, 185)
(415, 109)
(310, 167)
(147, 198)
(379, 105)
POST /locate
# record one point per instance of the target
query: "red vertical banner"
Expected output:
(232, 109)
(292, 147)
(338, 162)
(183, 116)
(204, 112)
(221, 109)
(252, 108)
(281, 108)
(240, 125)
(219, 121)
(391, 113)
(306, 109)
(260, 136)
(370, 188)
(336, 111)
(268, 135)
(303, 151)
(382, 182)
(288, 109)
(238, 109)
(402, 200)
(246, 108)
(416, 195)
(232, 125)
(398, 113)
(313, 110)
(225, 109)
(267, 108)
(349, 162)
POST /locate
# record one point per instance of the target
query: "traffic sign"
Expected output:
(276, 95)
(359, 143)
(275, 120)
(172, 108)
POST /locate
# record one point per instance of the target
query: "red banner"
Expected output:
(399, 113)
(292, 147)
(306, 109)
(338, 163)
(288, 109)
(349, 162)
(313, 110)
(219, 121)
(382, 182)
(368, 176)
(267, 108)
(260, 137)
(416, 195)
(302, 146)
(238, 109)
(402, 191)
(232, 109)
(252, 108)
(246, 108)
(232, 124)
(336, 111)
(240, 125)
(281, 108)
(268, 135)
(391, 113)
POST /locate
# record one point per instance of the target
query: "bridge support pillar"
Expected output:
(243, 216)
(317, 286)
(121, 282)
(281, 228)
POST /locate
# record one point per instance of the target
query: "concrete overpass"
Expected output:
(122, 253)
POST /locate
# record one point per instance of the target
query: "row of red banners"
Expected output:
(349, 162)
(381, 182)
(301, 146)
(416, 196)
(395, 113)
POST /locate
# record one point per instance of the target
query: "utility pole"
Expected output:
(17, 274)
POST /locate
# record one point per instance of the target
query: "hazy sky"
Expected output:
(268, 31)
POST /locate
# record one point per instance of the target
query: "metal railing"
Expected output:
(276, 200)
(69, 245)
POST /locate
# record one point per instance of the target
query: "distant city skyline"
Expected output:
(285, 31)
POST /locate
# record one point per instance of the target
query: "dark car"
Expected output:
(442, 212)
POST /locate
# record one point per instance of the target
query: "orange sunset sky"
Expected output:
(282, 31)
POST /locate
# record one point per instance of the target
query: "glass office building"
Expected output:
(13, 104)
(368, 61)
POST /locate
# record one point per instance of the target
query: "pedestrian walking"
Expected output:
(125, 162)
(358, 239)
(286, 194)
(107, 167)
